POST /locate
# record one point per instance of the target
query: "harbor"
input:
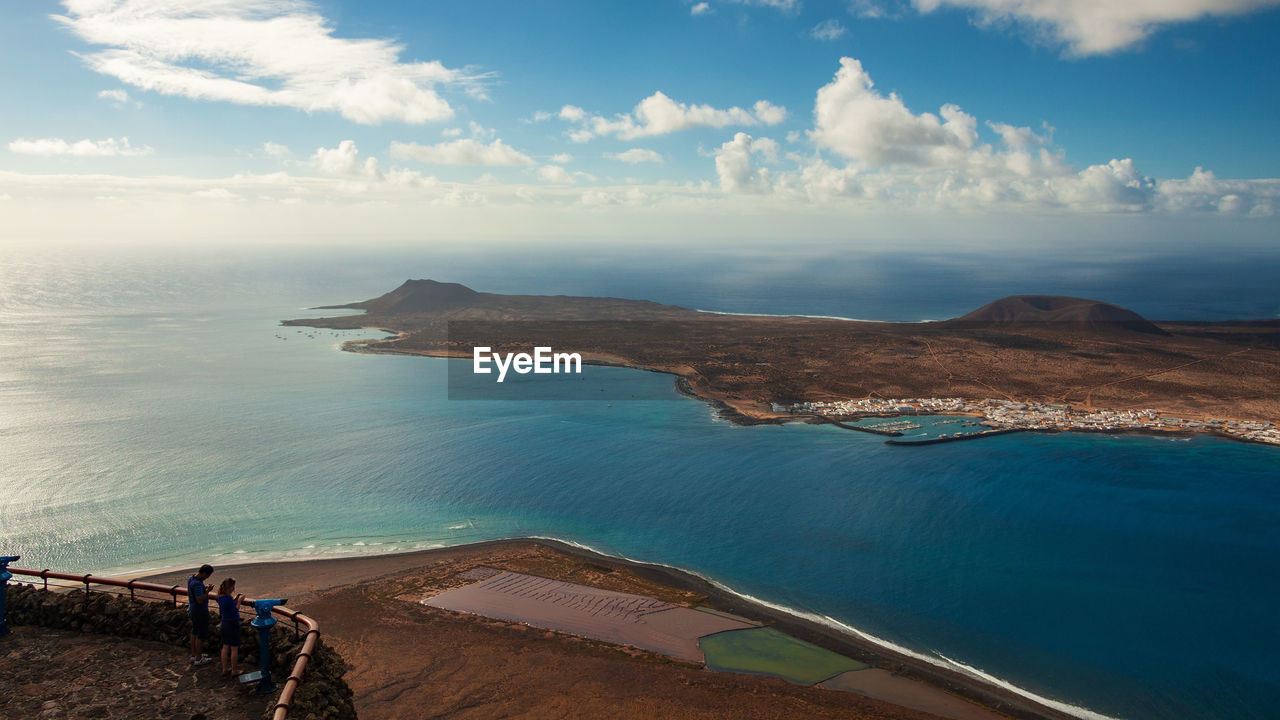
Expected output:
(1005, 415)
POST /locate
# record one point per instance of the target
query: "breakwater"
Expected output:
(954, 438)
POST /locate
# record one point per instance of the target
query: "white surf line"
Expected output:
(940, 660)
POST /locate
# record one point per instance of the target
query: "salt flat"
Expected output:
(616, 617)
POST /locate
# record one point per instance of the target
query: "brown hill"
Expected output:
(418, 296)
(452, 301)
(1059, 311)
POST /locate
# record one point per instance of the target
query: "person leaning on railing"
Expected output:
(198, 610)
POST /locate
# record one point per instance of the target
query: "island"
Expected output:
(1027, 362)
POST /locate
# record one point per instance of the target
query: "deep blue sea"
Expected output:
(151, 415)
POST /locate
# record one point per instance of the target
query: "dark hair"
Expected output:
(206, 570)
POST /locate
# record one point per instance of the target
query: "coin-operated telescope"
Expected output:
(4, 581)
(263, 623)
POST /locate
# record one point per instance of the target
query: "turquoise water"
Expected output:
(150, 416)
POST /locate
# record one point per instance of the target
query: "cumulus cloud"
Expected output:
(562, 158)
(828, 30)
(1092, 27)
(701, 8)
(344, 160)
(873, 148)
(658, 114)
(461, 152)
(555, 174)
(1205, 191)
(279, 53)
(855, 120)
(49, 147)
(735, 167)
(635, 156)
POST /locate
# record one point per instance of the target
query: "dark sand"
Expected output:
(408, 660)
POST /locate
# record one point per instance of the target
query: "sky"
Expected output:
(931, 123)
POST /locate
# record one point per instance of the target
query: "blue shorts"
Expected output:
(231, 634)
(199, 621)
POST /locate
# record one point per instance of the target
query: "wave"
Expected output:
(935, 658)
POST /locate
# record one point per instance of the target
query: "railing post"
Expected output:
(4, 582)
(85, 580)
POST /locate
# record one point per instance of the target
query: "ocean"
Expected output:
(154, 414)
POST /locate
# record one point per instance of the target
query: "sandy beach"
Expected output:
(405, 656)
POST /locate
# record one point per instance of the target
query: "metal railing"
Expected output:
(300, 621)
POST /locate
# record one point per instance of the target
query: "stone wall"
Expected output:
(322, 695)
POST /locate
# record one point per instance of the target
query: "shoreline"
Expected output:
(951, 676)
(747, 417)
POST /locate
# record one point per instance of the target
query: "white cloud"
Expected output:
(117, 96)
(572, 113)
(48, 147)
(1205, 191)
(828, 30)
(555, 174)
(854, 120)
(783, 5)
(276, 150)
(218, 193)
(871, 9)
(658, 114)
(344, 160)
(562, 158)
(480, 132)
(280, 53)
(701, 8)
(635, 156)
(768, 113)
(896, 157)
(1092, 27)
(734, 164)
(461, 152)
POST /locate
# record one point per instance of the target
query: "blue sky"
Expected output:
(532, 112)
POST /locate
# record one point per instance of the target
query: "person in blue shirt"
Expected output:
(229, 613)
(198, 610)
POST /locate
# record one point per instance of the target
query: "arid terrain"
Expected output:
(1026, 348)
(408, 660)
